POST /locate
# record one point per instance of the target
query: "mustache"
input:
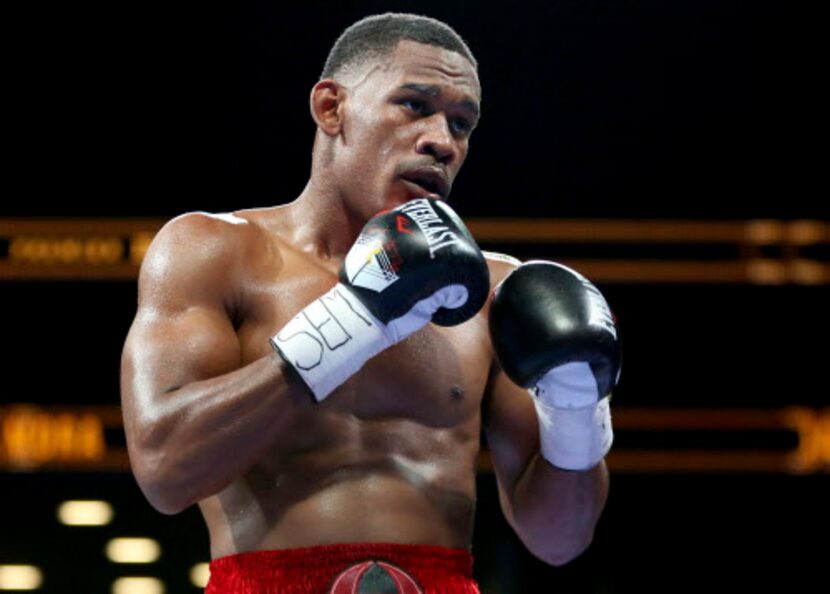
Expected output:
(409, 165)
(418, 163)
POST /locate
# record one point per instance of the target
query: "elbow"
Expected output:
(164, 503)
(551, 546)
(563, 556)
(153, 477)
(156, 469)
(556, 551)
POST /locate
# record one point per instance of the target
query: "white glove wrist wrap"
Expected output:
(574, 425)
(330, 340)
(575, 438)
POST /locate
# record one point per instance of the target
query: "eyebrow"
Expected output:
(435, 91)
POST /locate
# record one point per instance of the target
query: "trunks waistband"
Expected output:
(323, 569)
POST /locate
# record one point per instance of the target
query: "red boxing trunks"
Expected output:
(365, 568)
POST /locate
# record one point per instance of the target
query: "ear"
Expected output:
(326, 104)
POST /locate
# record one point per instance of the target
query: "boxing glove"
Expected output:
(553, 332)
(411, 265)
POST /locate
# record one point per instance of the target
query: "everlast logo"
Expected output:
(600, 314)
(438, 234)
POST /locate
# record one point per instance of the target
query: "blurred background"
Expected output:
(648, 144)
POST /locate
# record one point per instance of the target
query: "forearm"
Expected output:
(206, 434)
(553, 332)
(555, 511)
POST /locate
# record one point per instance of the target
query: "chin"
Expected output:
(395, 200)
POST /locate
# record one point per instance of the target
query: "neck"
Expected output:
(322, 223)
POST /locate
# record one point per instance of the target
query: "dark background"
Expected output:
(675, 109)
(591, 108)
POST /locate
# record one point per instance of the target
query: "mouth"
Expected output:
(427, 181)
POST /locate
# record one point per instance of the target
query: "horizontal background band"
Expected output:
(762, 252)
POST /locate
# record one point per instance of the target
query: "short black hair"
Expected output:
(378, 35)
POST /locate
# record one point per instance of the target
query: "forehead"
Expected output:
(417, 62)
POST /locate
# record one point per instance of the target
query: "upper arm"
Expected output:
(511, 429)
(509, 420)
(182, 331)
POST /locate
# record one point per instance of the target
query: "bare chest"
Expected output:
(436, 376)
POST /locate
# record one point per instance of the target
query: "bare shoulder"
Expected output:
(210, 230)
(196, 252)
(194, 238)
(500, 266)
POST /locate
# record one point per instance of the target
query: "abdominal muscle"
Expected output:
(393, 481)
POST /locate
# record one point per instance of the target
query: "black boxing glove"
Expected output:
(554, 333)
(411, 265)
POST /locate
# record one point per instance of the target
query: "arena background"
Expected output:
(649, 144)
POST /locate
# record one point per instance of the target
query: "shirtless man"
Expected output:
(282, 373)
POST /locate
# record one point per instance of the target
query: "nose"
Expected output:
(436, 140)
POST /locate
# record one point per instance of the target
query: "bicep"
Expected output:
(509, 416)
(182, 332)
(511, 429)
(166, 350)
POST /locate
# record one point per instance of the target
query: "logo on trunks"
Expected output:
(374, 577)
(432, 226)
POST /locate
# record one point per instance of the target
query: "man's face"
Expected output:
(406, 127)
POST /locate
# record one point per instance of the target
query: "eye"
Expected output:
(460, 125)
(415, 105)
